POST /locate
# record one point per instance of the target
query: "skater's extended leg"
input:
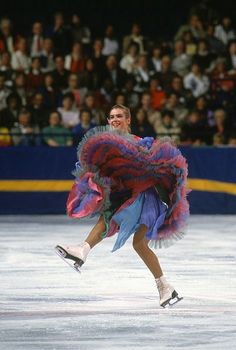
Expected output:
(140, 245)
(78, 253)
(95, 235)
(167, 293)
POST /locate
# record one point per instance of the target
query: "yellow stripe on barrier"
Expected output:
(65, 186)
(212, 186)
(35, 185)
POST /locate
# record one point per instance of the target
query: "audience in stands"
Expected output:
(58, 82)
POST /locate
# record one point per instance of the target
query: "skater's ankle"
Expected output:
(160, 279)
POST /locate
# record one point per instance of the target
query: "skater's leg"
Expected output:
(95, 235)
(140, 245)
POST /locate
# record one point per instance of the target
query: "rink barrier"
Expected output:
(36, 180)
(65, 185)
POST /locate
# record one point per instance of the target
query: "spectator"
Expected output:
(201, 106)
(60, 74)
(203, 57)
(6, 37)
(155, 60)
(61, 35)
(70, 116)
(146, 104)
(110, 43)
(224, 31)
(39, 114)
(173, 104)
(194, 131)
(158, 96)
(46, 57)
(85, 124)
(20, 60)
(113, 72)
(141, 126)
(8, 116)
(168, 126)
(52, 96)
(75, 62)
(134, 37)
(194, 25)
(35, 77)
(221, 126)
(221, 80)
(129, 60)
(218, 140)
(231, 58)
(181, 61)
(55, 134)
(36, 40)
(132, 97)
(5, 68)
(215, 45)
(119, 99)
(190, 43)
(141, 74)
(166, 75)
(97, 56)
(80, 33)
(89, 79)
(24, 133)
(77, 91)
(4, 92)
(104, 96)
(20, 85)
(98, 117)
(176, 87)
(196, 82)
(232, 140)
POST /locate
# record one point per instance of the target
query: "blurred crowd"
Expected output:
(59, 81)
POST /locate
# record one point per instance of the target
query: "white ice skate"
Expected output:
(74, 255)
(167, 293)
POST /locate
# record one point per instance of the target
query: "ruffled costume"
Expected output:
(131, 181)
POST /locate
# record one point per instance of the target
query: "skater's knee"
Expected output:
(139, 244)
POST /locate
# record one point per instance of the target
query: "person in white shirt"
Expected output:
(224, 31)
(46, 57)
(129, 61)
(70, 116)
(196, 82)
(20, 59)
(110, 44)
(181, 61)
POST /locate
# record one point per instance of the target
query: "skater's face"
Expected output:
(119, 120)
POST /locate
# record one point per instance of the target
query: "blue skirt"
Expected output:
(147, 209)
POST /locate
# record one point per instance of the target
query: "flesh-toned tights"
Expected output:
(140, 245)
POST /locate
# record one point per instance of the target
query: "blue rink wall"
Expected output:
(37, 180)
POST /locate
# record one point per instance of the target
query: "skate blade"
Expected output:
(169, 303)
(73, 264)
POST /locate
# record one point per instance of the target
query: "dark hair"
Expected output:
(86, 110)
(168, 112)
(68, 95)
(57, 112)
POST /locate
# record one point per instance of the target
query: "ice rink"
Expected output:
(114, 303)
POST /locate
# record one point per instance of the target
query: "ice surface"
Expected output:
(113, 304)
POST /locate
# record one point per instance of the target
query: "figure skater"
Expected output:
(138, 186)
